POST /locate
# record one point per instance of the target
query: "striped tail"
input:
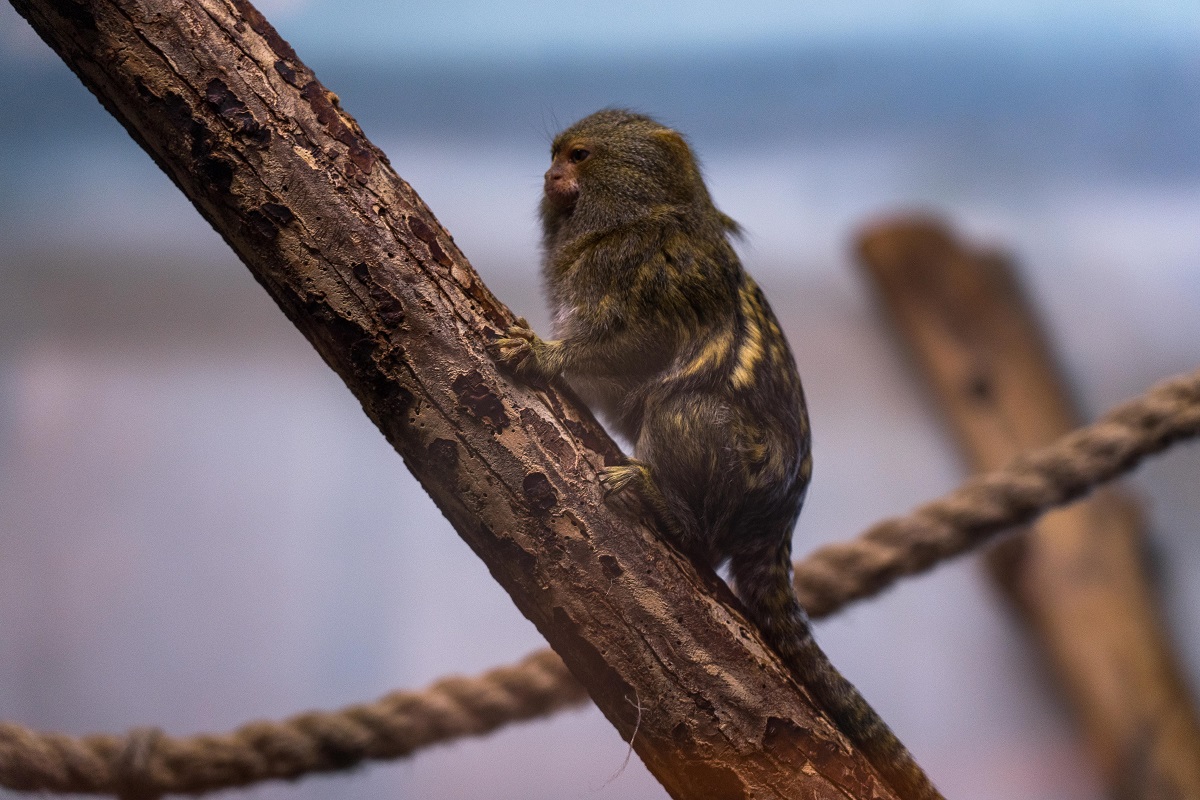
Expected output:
(765, 587)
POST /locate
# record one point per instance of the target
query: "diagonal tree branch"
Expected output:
(359, 264)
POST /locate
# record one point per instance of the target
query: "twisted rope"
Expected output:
(147, 763)
(991, 502)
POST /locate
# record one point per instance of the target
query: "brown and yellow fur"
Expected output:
(662, 332)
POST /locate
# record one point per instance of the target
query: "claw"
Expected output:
(525, 354)
(615, 479)
(514, 348)
(619, 487)
(524, 334)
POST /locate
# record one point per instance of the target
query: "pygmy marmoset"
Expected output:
(660, 330)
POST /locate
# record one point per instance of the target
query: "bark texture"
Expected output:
(364, 270)
(1078, 577)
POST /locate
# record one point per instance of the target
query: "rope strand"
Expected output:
(991, 502)
(147, 763)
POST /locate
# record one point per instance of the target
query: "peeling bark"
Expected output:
(360, 265)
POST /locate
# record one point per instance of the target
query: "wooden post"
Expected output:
(1077, 576)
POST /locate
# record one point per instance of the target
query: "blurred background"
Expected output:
(198, 525)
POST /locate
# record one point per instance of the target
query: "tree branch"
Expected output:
(360, 265)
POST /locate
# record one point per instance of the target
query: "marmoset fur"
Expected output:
(660, 330)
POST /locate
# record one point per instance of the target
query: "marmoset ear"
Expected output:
(688, 181)
(675, 145)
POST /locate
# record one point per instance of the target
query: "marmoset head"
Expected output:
(616, 159)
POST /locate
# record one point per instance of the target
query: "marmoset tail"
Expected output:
(660, 330)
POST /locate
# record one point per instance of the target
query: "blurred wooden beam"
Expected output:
(1078, 576)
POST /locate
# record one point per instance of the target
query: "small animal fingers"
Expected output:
(521, 331)
(510, 351)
